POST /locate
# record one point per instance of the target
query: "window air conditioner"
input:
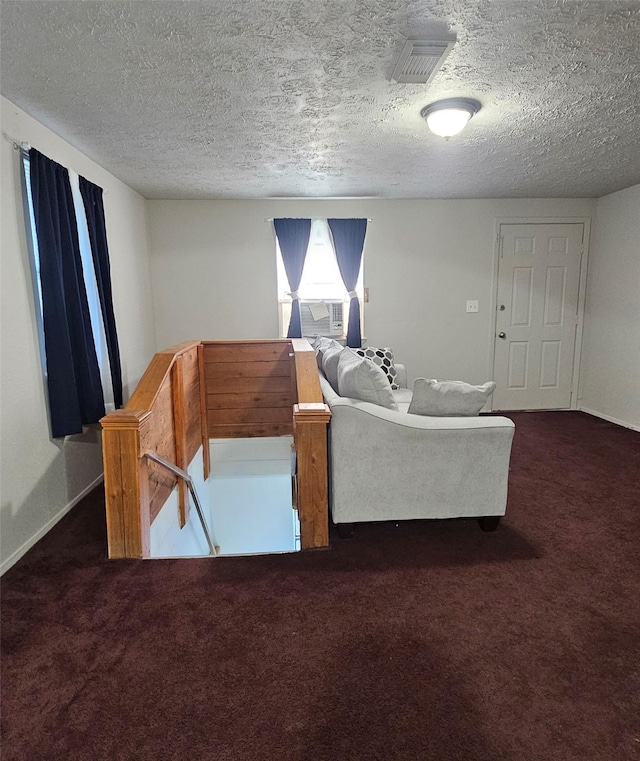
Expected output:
(322, 318)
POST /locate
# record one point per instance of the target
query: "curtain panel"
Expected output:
(94, 210)
(73, 374)
(348, 243)
(293, 239)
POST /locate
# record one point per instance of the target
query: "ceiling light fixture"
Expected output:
(449, 117)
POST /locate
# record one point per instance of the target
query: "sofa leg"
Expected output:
(346, 530)
(489, 522)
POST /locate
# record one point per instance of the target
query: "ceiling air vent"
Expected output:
(420, 60)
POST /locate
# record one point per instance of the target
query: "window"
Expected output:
(32, 240)
(91, 284)
(321, 284)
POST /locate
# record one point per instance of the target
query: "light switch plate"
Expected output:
(472, 306)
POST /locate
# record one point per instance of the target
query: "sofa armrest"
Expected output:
(401, 377)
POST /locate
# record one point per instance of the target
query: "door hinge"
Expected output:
(501, 245)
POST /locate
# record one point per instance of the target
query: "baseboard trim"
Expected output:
(15, 556)
(610, 419)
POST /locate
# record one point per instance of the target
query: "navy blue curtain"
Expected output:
(94, 210)
(73, 375)
(293, 238)
(348, 243)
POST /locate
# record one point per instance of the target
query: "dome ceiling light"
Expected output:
(449, 117)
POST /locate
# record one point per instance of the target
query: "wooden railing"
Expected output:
(163, 415)
(310, 419)
(213, 389)
(248, 387)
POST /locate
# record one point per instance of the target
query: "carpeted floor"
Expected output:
(424, 640)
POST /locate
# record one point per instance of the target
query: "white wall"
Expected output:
(610, 373)
(41, 478)
(213, 268)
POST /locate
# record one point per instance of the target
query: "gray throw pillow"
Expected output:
(448, 398)
(383, 358)
(322, 344)
(360, 379)
(330, 359)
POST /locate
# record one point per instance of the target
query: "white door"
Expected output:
(537, 315)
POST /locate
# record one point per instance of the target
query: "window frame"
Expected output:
(283, 297)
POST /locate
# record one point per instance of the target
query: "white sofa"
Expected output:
(391, 465)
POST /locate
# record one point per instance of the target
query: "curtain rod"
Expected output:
(15, 144)
(27, 147)
(270, 219)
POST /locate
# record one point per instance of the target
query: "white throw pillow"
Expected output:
(358, 378)
(330, 359)
(448, 398)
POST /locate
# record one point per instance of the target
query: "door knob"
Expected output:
(502, 335)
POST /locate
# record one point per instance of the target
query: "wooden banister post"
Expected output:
(180, 428)
(310, 422)
(204, 425)
(126, 484)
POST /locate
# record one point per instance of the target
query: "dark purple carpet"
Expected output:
(426, 640)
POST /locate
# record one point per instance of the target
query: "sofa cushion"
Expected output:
(402, 397)
(383, 358)
(448, 398)
(358, 378)
(330, 357)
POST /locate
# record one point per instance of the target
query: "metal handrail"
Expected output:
(189, 481)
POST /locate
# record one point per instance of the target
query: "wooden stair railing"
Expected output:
(164, 416)
(310, 420)
(213, 389)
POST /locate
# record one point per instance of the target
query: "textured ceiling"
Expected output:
(279, 98)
